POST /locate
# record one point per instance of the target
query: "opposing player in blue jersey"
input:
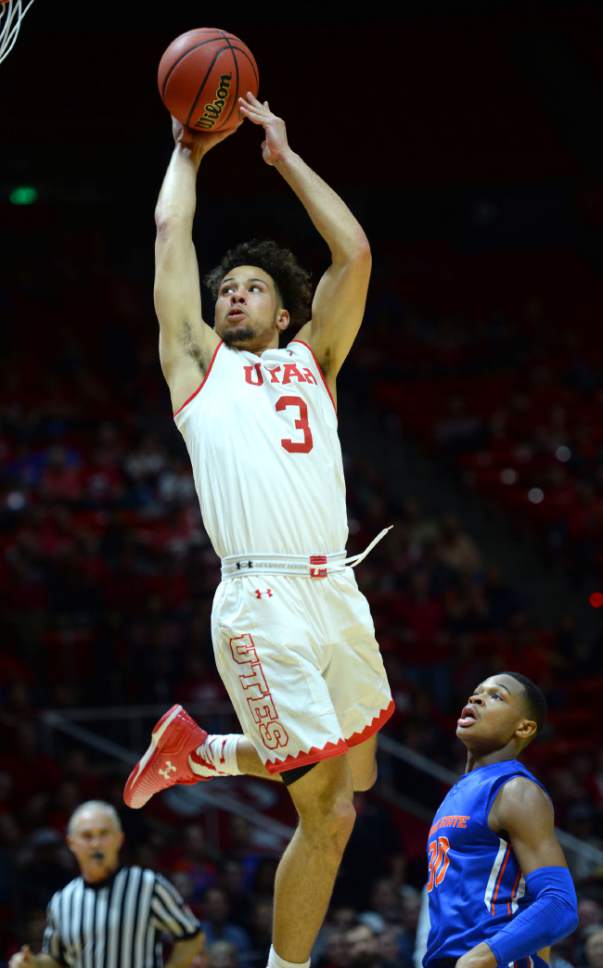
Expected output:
(499, 889)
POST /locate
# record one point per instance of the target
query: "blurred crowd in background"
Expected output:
(107, 579)
(470, 416)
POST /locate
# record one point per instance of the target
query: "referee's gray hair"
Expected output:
(93, 805)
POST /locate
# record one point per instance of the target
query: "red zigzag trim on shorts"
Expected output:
(317, 753)
(376, 723)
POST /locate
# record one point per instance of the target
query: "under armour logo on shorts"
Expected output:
(268, 591)
(169, 768)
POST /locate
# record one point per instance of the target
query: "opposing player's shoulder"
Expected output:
(521, 800)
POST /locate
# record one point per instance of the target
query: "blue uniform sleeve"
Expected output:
(552, 915)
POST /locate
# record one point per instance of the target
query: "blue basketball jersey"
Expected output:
(475, 884)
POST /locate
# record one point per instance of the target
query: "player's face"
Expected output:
(248, 314)
(96, 842)
(494, 715)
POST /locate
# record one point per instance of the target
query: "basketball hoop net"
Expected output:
(11, 15)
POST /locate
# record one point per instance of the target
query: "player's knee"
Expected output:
(329, 827)
(339, 822)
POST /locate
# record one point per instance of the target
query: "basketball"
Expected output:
(202, 74)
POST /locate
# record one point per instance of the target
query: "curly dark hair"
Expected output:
(291, 280)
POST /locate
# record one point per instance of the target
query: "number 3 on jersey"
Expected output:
(438, 862)
(306, 444)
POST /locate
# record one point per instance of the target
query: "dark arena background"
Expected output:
(467, 140)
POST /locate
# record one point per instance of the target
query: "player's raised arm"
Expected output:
(340, 297)
(186, 342)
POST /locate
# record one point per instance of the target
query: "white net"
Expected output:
(11, 15)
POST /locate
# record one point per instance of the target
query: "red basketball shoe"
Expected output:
(165, 762)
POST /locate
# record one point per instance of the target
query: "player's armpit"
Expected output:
(186, 342)
(523, 812)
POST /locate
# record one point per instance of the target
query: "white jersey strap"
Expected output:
(309, 566)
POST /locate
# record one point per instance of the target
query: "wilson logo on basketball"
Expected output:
(213, 110)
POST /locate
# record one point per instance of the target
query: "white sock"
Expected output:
(275, 961)
(217, 756)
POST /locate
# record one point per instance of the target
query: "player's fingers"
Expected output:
(247, 110)
(251, 108)
(255, 117)
(260, 109)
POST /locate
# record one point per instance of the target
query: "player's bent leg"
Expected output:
(181, 751)
(363, 764)
(323, 798)
(250, 763)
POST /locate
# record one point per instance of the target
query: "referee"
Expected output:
(112, 916)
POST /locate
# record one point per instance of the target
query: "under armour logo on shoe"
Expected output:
(169, 768)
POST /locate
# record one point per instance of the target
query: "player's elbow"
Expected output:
(564, 911)
(359, 250)
(566, 920)
(572, 918)
(353, 250)
(363, 248)
(170, 222)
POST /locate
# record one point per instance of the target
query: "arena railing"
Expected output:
(117, 731)
(390, 750)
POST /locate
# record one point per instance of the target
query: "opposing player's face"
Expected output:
(96, 841)
(494, 715)
(248, 311)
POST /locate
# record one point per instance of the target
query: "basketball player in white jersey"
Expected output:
(293, 637)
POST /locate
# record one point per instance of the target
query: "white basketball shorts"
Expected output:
(299, 659)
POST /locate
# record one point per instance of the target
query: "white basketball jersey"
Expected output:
(261, 433)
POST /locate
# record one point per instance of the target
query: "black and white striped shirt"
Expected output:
(117, 923)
